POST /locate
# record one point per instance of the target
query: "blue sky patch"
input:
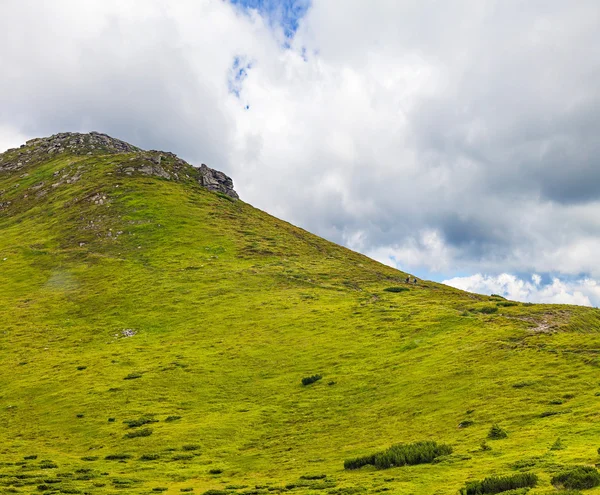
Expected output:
(285, 14)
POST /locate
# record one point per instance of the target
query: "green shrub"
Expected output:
(182, 457)
(111, 420)
(485, 446)
(487, 310)
(577, 477)
(117, 457)
(172, 418)
(186, 489)
(215, 471)
(46, 464)
(497, 484)
(557, 445)
(135, 423)
(132, 376)
(496, 433)
(506, 304)
(159, 489)
(523, 384)
(144, 432)
(215, 492)
(395, 289)
(313, 476)
(30, 457)
(81, 368)
(465, 424)
(556, 402)
(401, 455)
(149, 457)
(191, 446)
(307, 380)
(89, 458)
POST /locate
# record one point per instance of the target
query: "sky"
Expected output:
(455, 140)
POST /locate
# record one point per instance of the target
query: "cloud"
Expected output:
(583, 292)
(449, 138)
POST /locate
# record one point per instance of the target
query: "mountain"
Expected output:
(156, 330)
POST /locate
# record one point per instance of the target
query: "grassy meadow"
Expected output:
(154, 337)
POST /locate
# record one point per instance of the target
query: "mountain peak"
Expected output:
(95, 143)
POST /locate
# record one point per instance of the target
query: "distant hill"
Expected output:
(156, 330)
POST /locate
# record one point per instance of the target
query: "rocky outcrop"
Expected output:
(216, 181)
(160, 164)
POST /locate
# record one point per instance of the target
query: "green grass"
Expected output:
(231, 308)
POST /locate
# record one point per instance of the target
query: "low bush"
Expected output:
(189, 489)
(172, 418)
(117, 457)
(215, 471)
(149, 457)
(132, 376)
(497, 433)
(89, 458)
(30, 457)
(191, 446)
(215, 492)
(401, 455)
(135, 423)
(577, 477)
(182, 457)
(307, 380)
(487, 310)
(313, 476)
(506, 304)
(498, 484)
(46, 464)
(143, 432)
(159, 489)
(395, 289)
(465, 424)
(557, 445)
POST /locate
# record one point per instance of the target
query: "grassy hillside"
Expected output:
(125, 296)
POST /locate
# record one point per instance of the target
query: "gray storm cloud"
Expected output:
(441, 136)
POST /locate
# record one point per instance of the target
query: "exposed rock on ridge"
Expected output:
(160, 164)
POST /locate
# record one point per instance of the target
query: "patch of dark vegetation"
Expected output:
(188, 489)
(401, 455)
(215, 471)
(89, 458)
(143, 432)
(172, 418)
(30, 457)
(506, 304)
(545, 414)
(149, 457)
(159, 489)
(80, 415)
(47, 464)
(111, 420)
(525, 463)
(215, 492)
(117, 457)
(182, 457)
(136, 423)
(497, 296)
(395, 289)
(190, 447)
(132, 376)
(466, 423)
(557, 445)
(577, 478)
(307, 380)
(487, 310)
(497, 433)
(498, 484)
(347, 490)
(81, 368)
(556, 402)
(523, 384)
(313, 476)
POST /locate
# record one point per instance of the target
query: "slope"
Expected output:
(155, 333)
